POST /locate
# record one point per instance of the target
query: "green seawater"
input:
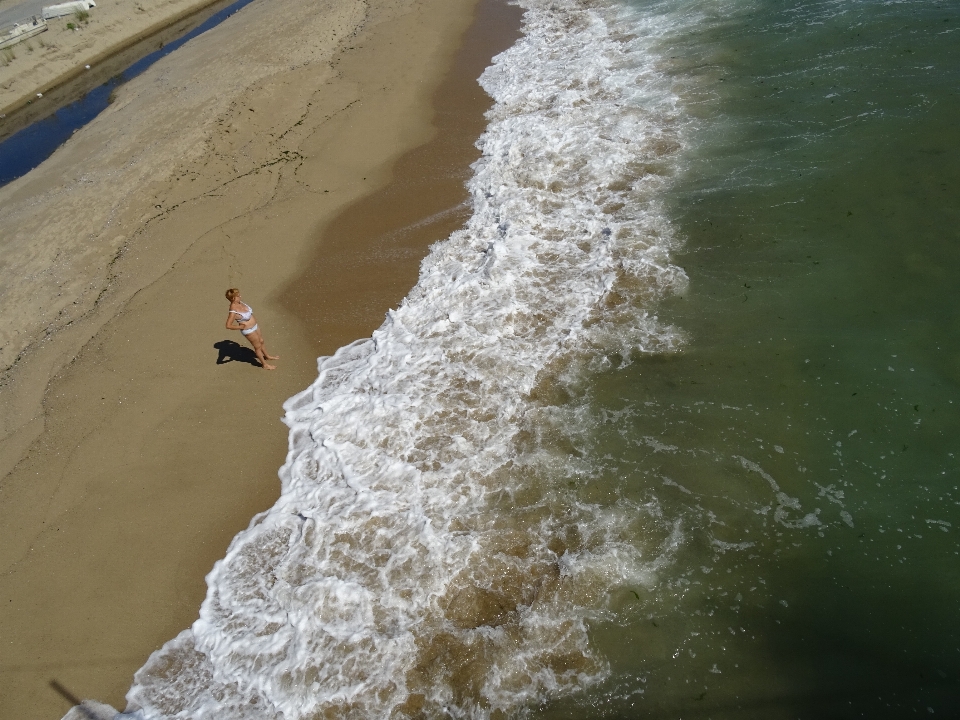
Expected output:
(806, 441)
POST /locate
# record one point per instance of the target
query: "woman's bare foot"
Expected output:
(269, 367)
(272, 357)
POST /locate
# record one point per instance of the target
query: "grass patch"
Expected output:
(82, 16)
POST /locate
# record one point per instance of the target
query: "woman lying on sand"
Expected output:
(240, 317)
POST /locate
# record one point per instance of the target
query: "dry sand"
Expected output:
(48, 59)
(130, 457)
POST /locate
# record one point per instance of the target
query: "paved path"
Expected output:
(24, 10)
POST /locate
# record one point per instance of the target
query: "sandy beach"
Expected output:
(63, 52)
(287, 152)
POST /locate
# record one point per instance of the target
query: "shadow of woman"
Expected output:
(232, 352)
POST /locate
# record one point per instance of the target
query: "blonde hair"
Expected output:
(232, 293)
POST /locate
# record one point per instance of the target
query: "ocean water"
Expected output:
(668, 429)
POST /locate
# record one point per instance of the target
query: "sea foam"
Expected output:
(426, 555)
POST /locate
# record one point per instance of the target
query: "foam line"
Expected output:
(423, 555)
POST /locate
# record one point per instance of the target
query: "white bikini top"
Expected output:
(244, 316)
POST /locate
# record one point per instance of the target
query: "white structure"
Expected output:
(19, 31)
(68, 8)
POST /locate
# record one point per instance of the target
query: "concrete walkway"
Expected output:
(24, 10)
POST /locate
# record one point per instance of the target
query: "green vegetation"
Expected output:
(82, 16)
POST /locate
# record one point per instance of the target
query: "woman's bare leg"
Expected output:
(267, 355)
(263, 360)
(259, 340)
(258, 349)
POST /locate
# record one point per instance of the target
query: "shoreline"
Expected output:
(368, 258)
(129, 464)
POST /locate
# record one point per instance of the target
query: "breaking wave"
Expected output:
(428, 554)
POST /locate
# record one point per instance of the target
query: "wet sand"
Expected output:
(138, 436)
(386, 234)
